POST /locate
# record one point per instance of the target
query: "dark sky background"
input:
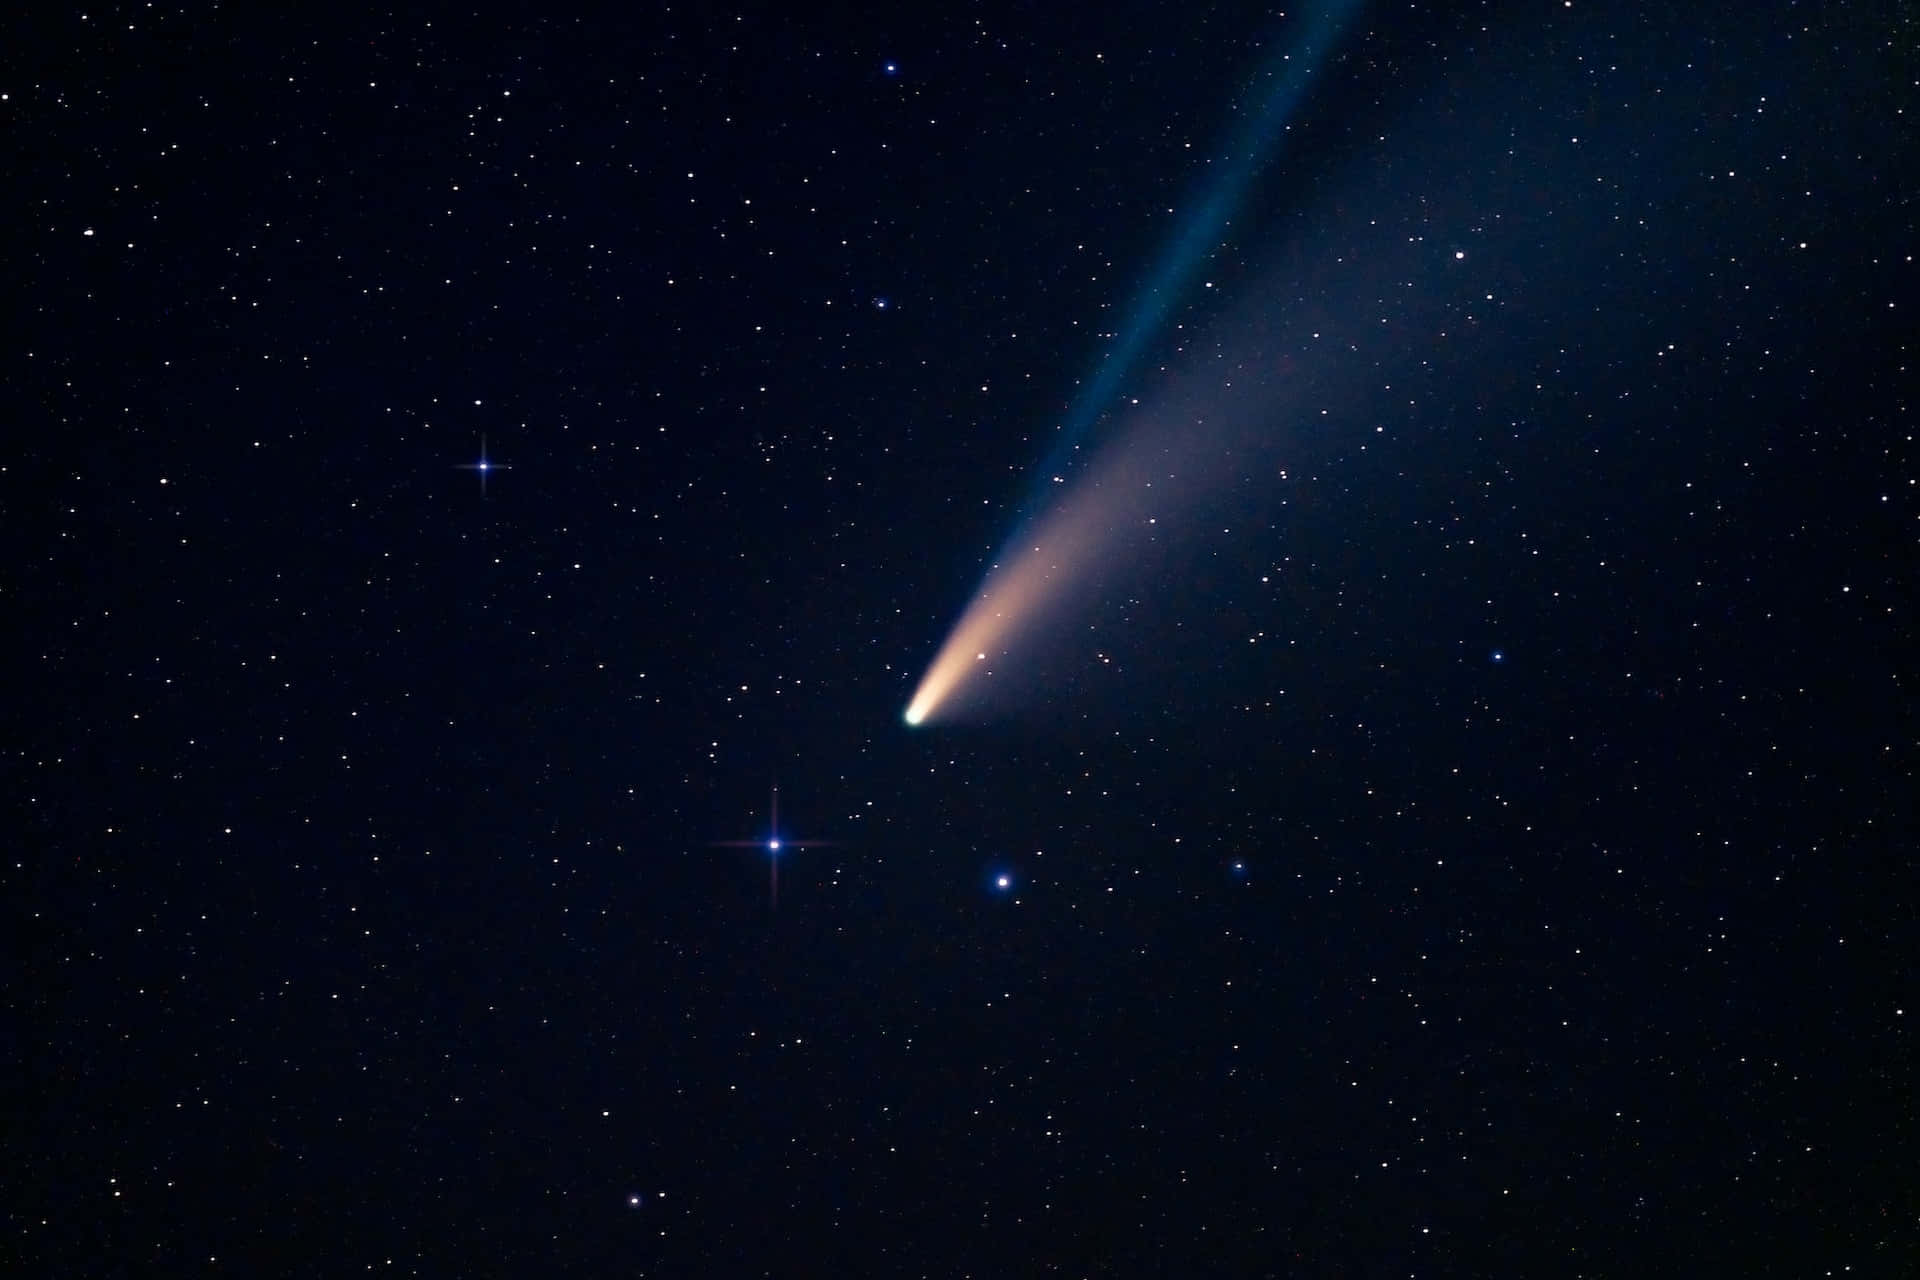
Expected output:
(1488, 851)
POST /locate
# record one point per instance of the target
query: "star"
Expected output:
(775, 844)
(485, 466)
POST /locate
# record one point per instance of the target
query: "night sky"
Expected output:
(1459, 820)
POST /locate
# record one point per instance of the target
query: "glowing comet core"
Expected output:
(1005, 601)
(1052, 564)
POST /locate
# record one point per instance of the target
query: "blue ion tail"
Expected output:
(1024, 583)
(1271, 101)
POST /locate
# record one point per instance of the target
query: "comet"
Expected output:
(1061, 542)
(1057, 560)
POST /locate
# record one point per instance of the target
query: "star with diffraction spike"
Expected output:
(775, 844)
(484, 467)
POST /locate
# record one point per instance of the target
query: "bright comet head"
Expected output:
(1059, 556)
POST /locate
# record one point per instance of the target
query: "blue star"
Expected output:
(484, 467)
(891, 68)
(774, 843)
(1498, 655)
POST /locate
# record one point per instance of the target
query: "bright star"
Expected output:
(774, 843)
(484, 467)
